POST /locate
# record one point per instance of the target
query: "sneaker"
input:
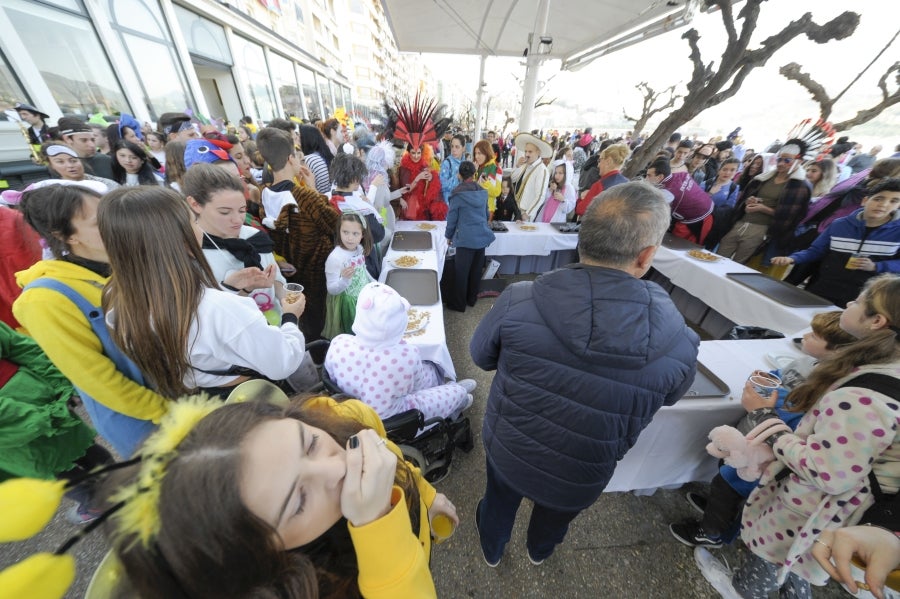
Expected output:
(534, 562)
(478, 528)
(697, 501)
(716, 573)
(692, 534)
(80, 515)
(468, 384)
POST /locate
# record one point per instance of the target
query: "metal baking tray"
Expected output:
(783, 293)
(498, 226)
(566, 227)
(677, 243)
(706, 385)
(411, 241)
(419, 287)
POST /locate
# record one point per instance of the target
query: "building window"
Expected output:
(10, 89)
(72, 62)
(286, 85)
(252, 63)
(327, 102)
(310, 98)
(203, 37)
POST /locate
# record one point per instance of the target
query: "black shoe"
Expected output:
(697, 501)
(478, 528)
(692, 534)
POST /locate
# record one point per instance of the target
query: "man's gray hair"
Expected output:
(622, 221)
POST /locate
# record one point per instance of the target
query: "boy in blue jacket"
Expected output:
(856, 247)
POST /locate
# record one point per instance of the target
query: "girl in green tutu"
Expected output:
(346, 274)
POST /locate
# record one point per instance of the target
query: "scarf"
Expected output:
(100, 268)
(245, 250)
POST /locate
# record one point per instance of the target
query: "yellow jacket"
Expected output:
(403, 571)
(65, 335)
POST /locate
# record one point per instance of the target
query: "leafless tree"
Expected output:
(649, 108)
(711, 85)
(826, 103)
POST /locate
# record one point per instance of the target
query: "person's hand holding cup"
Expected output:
(294, 301)
(760, 390)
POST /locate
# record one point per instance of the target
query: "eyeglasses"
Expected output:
(785, 160)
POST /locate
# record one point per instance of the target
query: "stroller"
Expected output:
(426, 444)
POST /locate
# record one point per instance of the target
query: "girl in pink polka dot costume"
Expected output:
(377, 366)
(849, 429)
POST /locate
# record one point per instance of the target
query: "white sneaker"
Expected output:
(715, 573)
(467, 384)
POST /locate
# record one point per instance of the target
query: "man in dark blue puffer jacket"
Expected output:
(585, 356)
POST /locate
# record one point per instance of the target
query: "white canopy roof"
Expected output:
(580, 30)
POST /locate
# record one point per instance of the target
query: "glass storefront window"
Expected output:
(325, 89)
(252, 63)
(310, 98)
(10, 90)
(69, 56)
(286, 84)
(143, 31)
(204, 38)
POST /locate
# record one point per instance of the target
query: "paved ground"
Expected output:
(620, 547)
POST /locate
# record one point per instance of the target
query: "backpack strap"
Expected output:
(97, 320)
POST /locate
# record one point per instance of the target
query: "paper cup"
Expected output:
(764, 383)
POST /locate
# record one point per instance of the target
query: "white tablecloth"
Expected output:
(707, 282)
(521, 242)
(432, 344)
(672, 449)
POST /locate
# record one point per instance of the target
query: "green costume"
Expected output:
(39, 436)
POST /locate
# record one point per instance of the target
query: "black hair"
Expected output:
(148, 163)
(347, 169)
(686, 143)
(661, 167)
(466, 170)
(49, 210)
(886, 184)
(311, 141)
(675, 137)
(283, 124)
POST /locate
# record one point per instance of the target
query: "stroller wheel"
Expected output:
(414, 457)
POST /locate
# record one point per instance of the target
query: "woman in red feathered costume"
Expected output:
(424, 200)
(419, 124)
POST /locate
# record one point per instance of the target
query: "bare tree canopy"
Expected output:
(826, 103)
(710, 85)
(648, 108)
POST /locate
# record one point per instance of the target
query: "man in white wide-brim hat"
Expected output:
(530, 176)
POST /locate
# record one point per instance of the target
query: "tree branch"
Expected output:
(816, 90)
(868, 66)
(887, 100)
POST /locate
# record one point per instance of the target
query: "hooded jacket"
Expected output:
(585, 356)
(467, 221)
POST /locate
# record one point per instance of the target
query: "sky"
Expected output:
(767, 106)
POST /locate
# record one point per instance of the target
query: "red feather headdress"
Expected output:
(418, 123)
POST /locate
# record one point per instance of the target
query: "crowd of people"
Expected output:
(185, 260)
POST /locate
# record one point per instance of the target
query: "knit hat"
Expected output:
(203, 150)
(381, 316)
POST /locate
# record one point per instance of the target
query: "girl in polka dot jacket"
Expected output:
(848, 430)
(381, 369)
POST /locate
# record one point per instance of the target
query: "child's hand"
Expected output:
(442, 505)
(307, 176)
(296, 308)
(347, 271)
(371, 467)
(751, 400)
(782, 260)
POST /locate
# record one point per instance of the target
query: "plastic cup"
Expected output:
(442, 528)
(764, 383)
(292, 292)
(853, 261)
